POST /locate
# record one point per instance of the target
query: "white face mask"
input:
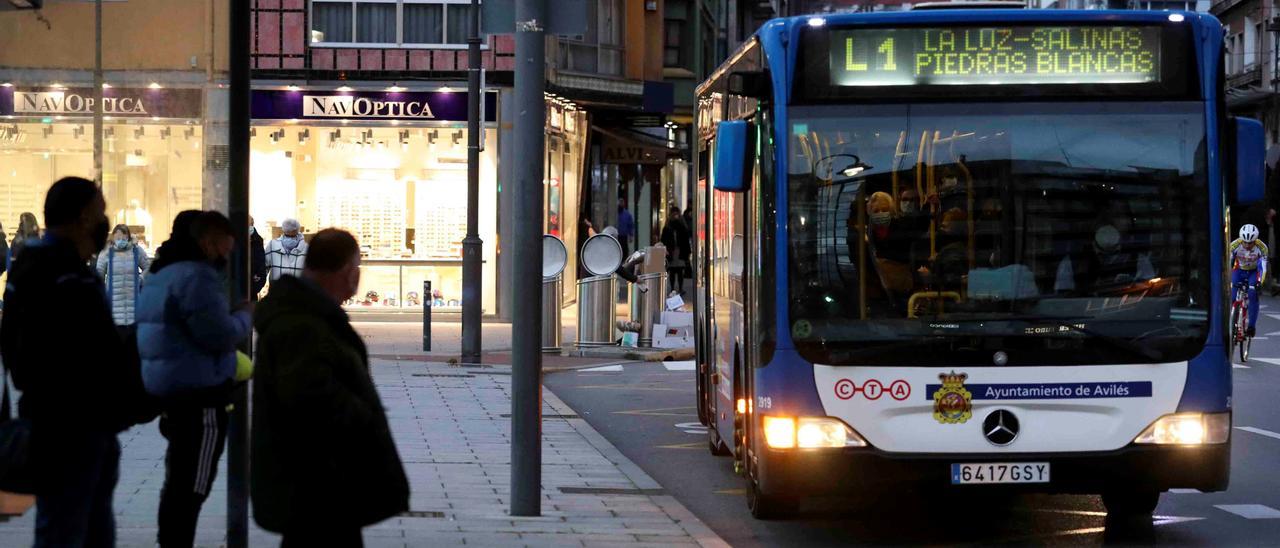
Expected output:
(122, 243)
(289, 242)
(910, 207)
(881, 218)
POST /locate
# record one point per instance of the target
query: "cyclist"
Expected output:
(1248, 257)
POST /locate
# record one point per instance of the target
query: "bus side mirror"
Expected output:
(731, 157)
(1250, 168)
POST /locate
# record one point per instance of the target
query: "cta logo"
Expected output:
(872, 389)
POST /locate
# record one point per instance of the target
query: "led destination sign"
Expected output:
(995, 55)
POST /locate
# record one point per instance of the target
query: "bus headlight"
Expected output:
(1187, 429)
(809, 433)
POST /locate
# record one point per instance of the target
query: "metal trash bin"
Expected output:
(647, 304)
(552, 302)
(596, 312)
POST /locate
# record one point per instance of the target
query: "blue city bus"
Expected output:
(970, 250)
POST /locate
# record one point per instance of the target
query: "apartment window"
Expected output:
(599, 51)
(671, 43)
(390, 23)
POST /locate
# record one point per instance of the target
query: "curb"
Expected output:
(694, 527)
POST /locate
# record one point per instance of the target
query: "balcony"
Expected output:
(1249, 77)
(1219, 8)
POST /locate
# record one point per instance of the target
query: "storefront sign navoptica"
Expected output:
(122, 102)
(364, 105)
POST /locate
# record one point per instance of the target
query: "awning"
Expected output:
(621, 146)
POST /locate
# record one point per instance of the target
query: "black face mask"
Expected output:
(220, 263)
(99, 234)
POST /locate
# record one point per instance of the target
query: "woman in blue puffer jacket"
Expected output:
(187, 337)
(122, 265)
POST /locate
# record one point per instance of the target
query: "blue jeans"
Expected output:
(1241, 277)
(78, 474)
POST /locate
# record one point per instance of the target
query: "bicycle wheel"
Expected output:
(1242, 324)
(1244, 349)
(1233, 334)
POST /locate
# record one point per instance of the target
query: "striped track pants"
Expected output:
(197, 436)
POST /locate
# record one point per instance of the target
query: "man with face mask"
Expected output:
(324, 463)
(187, 336)
(59, 343)
(287, 255)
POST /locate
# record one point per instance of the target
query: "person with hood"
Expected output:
(322, 460)
(122, 265)
(187, 336)
(58, 341)
(287, 254)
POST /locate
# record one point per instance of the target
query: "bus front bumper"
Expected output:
(847, 471)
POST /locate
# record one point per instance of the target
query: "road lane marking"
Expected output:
(735, 492)
(692, 428)
(662, 412)
(602, 368)
(1184, 491)
(1250, 511)
(694, 445)
(632, 387)
(1272, 361)
(1259, 431)
(1274, 316)
(679, 366)
(1238, 366)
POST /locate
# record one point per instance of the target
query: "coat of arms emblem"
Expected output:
(952, 404)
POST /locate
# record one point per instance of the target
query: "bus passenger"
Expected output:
(1106, 264)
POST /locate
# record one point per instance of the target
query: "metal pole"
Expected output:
(97, 92)
(526, 248)
(238, 201)
(472, 245)
(426, 316)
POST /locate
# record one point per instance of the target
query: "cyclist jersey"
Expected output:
(1249, 259)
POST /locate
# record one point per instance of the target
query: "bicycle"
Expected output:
(1240, 320)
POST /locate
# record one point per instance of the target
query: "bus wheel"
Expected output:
(1130, 503)
(764, 506)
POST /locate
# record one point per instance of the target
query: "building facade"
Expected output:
(164, 135)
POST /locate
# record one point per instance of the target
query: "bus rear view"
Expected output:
(990, 253)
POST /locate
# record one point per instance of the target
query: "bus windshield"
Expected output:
(992, 233)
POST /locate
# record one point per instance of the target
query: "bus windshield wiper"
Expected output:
(1065, 322)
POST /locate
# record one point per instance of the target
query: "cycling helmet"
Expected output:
(1248, 233)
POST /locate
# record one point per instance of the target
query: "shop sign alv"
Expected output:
(122, 102)
(366, 105)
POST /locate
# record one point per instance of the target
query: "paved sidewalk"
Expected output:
(452, 427)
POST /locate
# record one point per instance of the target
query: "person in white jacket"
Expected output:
(122, 265)
(287, 255)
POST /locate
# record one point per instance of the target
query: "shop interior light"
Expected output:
(304, 136)
(292, 87)
(445, 89)
(56, 85)
(165, 132)
(395, 88)
(344, 88)
(106, 85)
(154, 85)
(6, 85)
(431, 137)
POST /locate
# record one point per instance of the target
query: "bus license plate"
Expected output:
(1001, 472)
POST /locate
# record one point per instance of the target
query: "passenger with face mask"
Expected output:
(187, 337)
(122, 265)
(287, 255)
(58, 342)
(1112, 260)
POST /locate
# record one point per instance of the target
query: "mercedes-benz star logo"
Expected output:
(1000, 427)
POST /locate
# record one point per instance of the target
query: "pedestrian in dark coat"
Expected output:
(258, 261)
(323, 462)
(60, 344)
